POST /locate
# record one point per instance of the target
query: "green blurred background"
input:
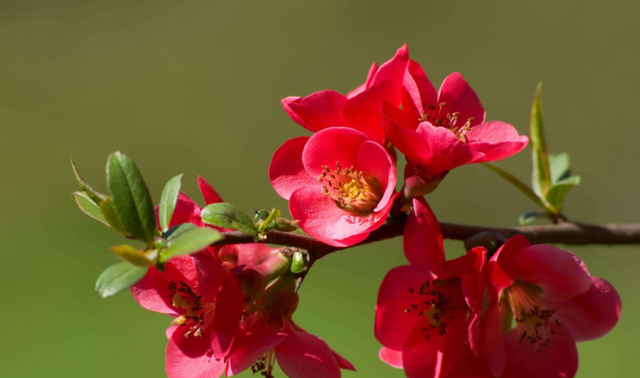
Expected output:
(194, 87)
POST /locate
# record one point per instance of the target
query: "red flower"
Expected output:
(360, 108)
(269, 335)
(441, 131)
(554, 301)
(206, 305)
(338, 182)
(428, 310)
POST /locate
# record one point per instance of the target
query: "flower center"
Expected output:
(351, 190)
(440, 301)
(534, 323)
(437, 115)
(265, 364)
(198, 315)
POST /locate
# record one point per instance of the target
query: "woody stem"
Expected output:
(563, 233)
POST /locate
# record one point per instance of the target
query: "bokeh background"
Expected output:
(194, 87)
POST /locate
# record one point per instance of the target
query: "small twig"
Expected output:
(563, 233)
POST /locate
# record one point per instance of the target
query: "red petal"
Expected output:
(458, 96)
(493, 339)
(302, 355)
(191, 358)
(152, 293)
(393, 324)
(320, 110)
(561, 274)
(209, 194)
(423, 239)
(391, 357)
(327, 147)
(318, 216)
(226, 322)
(211, 275)
(286, 171)
(436, 357)
(590, 315)
(286, 102)
(418, 90)
(251, 346)
(374, 160)
(443, 150)
(559, 359)
(496, 140)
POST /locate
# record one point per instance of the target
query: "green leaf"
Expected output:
(271, 218)
(86, 204)
(131, 197)
(559, 166)
(178, 230)
(134, 256)
(117, 278)
(541, 179)
(517, 183)
(168, 201)
(95, 196)
(559, 191)
(225, 215)
(530, 217)
(109, 214)
(191, 242)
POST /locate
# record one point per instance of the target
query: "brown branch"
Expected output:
(563, 233)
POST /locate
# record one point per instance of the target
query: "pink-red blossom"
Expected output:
(339, 183)
(428, 311)
(360, 108)
(439, 131)
(541, 301)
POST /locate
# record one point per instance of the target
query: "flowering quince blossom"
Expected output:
(360, 108)
(269, 335)
(340, 184)
(208, 293)
(439, 131)
(428, 312)
(554, 301)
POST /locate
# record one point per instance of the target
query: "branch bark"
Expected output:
(563, 233)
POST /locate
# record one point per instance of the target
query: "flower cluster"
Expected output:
(232, 310)
(515, 313)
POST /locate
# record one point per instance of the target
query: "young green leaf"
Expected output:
(178, 230)
(225, 215)
(559, 167)
(541, 179)
(517, 183)
(168, 201)
(86, 204)
(110, 216)
(273, 215)
(95, 196)
(190, 242)
(117, 278)
(131, 197)
(134, 256)
(559, 191)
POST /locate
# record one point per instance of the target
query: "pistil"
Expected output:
(352, 190)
